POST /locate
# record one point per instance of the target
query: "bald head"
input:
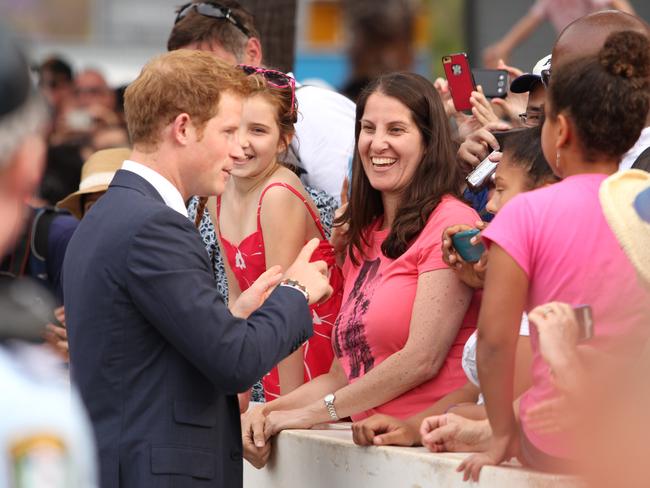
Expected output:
(587, 35)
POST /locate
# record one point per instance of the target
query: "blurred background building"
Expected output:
(118, 36)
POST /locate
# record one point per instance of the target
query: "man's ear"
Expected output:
(253, 52)
(182, 128)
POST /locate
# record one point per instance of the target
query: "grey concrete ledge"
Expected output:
(327, 458)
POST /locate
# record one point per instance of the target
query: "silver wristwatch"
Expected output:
(329, 404)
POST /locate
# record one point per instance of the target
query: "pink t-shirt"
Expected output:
(559, 237)
(375, 317)
(562, 12)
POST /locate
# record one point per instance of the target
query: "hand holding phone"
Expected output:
(493, 81)
(460, 79)
(462, 243)
(483, 172)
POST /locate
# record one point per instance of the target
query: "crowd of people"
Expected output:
(235, 236)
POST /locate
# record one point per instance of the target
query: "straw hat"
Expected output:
(625, 198)
(96, 174)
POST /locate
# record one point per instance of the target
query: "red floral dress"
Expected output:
(247, 262)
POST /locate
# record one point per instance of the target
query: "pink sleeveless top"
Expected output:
(247, 262)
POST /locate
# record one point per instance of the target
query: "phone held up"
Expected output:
(482, 174)
(468, 251)
(460, 79)
(493, 81)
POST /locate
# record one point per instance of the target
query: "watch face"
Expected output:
(329, 398)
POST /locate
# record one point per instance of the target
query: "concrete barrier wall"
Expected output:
(327, 458)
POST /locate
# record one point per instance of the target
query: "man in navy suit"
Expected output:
(158, 357)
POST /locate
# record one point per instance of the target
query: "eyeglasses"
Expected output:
(532, 118)
(275, 78)
(546, 77)
(211, 10)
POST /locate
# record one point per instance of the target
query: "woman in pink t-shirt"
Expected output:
(405, 315)
(555, 244)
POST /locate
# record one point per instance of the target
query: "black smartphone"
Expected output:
(493, 81)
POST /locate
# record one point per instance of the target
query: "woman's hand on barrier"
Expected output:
(500, 449)
(252, 298)
(383, 430)
(252, 422)
(257, 449)
(280, 420)
(453, 433)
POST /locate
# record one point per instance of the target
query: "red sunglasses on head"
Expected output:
(275, 78)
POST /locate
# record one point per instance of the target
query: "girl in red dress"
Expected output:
(265, 217)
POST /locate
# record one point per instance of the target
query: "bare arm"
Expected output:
(284, 226)
(504, 296)
(517, 34)
(506, 287)
(440, 304)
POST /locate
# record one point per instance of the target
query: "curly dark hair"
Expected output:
(606, 96)
(438, 173)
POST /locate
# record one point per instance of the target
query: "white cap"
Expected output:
(525, 82)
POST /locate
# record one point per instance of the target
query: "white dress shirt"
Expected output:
(324, 139)
(169, 193)
(641, 145)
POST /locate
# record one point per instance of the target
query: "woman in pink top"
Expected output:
(554, 244)
(405, 315)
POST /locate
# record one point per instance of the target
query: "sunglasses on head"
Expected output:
(212, 10)
(274, 78)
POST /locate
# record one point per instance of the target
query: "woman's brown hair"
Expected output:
(437, 174)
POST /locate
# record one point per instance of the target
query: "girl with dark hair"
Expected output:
(554, 244)
(405, 315)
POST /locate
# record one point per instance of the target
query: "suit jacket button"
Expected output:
(235, 455)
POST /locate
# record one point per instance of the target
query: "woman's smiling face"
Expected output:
(390, 144)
